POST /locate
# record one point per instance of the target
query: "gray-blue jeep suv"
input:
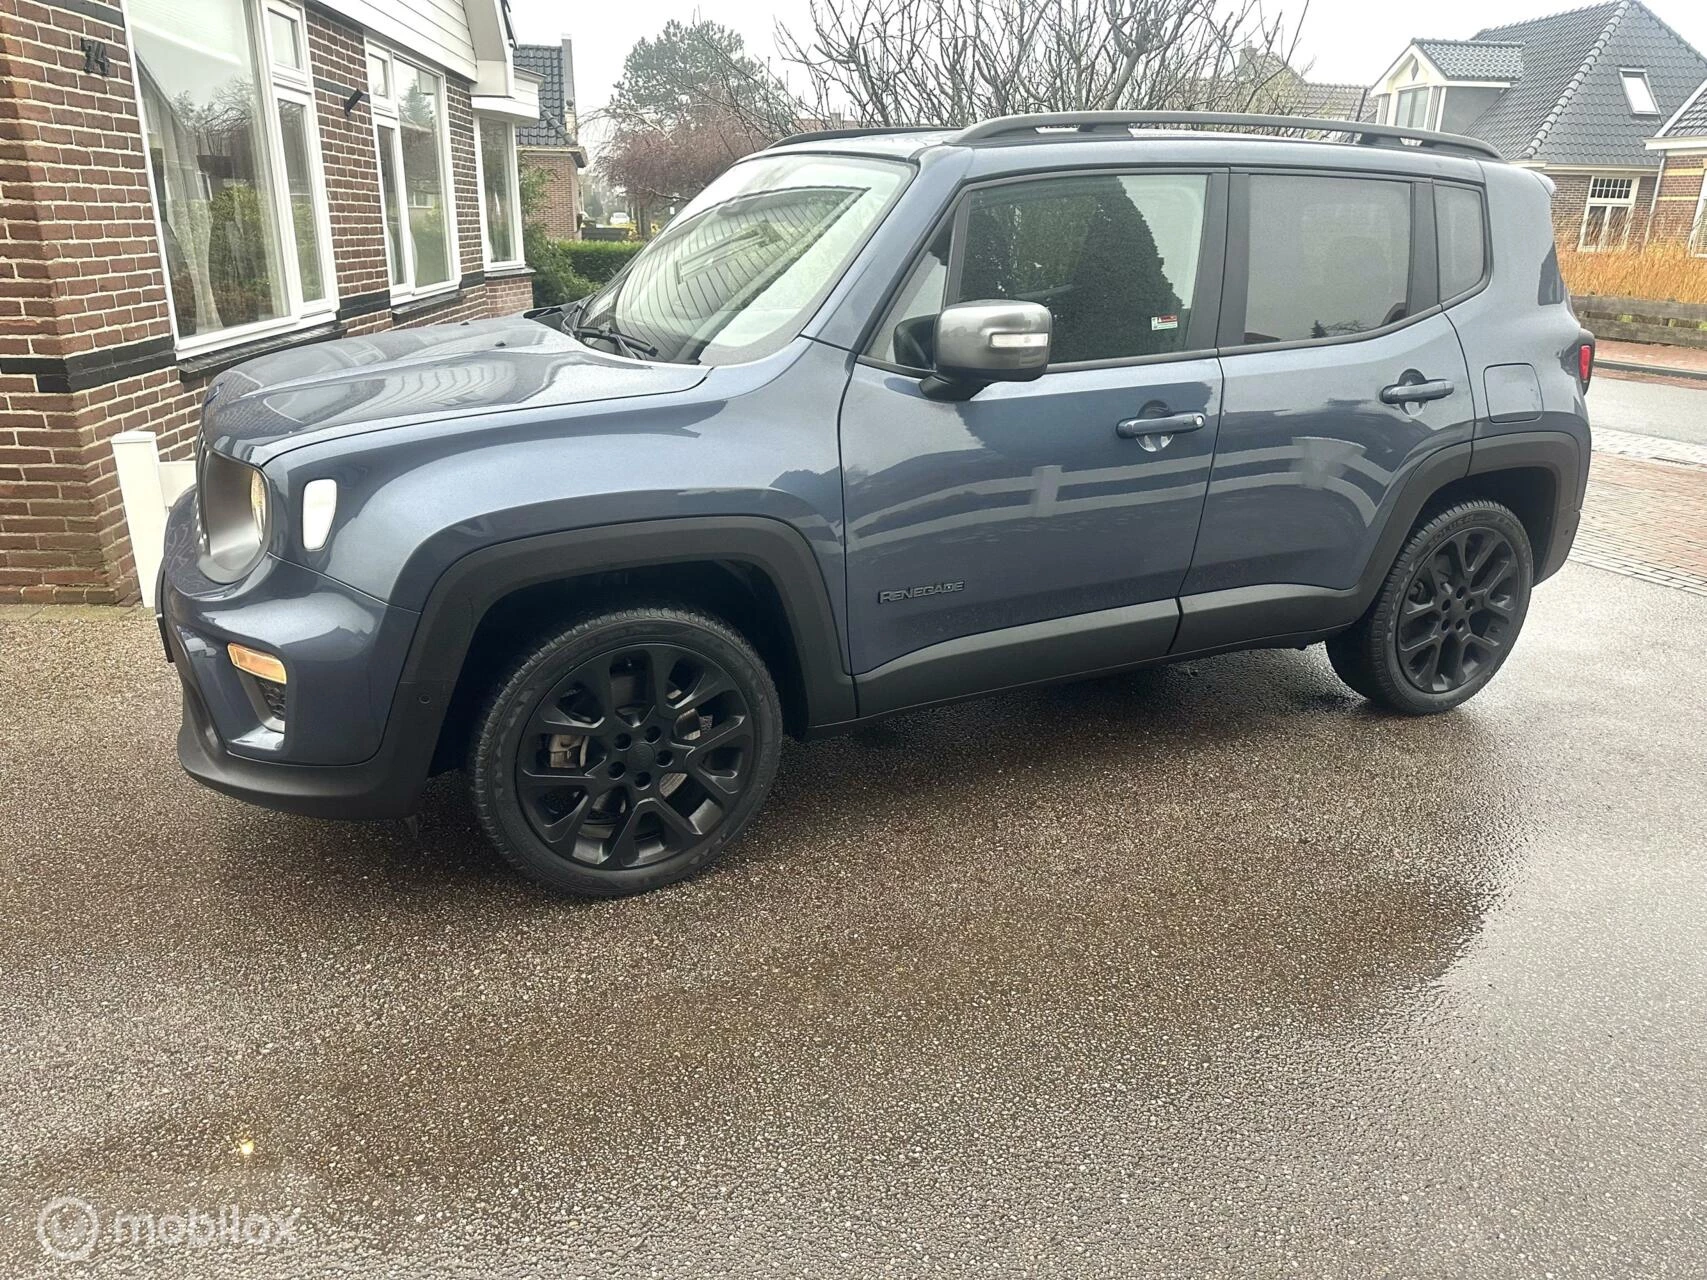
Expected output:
(883, 420)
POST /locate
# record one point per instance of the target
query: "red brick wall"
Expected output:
(562, 187)
(509, 295)
(79, 273)
(336, 52)
(465, 177)
(80, 277)
(1680, 196)
(1571, 195)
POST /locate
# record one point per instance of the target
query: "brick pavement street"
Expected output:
(1647, 519)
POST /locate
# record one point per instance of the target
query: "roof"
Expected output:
(546, 62)
(1568, 108)
(1474, 59)
(1691, 118)
(1331, 101)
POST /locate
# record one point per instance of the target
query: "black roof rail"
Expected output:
(1088, 122)
(825, 135)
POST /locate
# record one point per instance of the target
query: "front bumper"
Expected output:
(354, 741)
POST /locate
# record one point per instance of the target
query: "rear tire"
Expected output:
(625, 752)
(1447, 614)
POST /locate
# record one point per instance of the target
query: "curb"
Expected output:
(1657, 370)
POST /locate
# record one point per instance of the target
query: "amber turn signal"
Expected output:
(256, 663)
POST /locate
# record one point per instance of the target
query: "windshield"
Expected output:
(743, 264)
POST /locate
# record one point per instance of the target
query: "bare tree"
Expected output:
(952, 62)
(690, 102)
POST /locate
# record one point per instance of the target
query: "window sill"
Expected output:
(424, 304)
(218, 359)
(508, 271)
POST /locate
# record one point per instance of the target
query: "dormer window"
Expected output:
(1638, 92)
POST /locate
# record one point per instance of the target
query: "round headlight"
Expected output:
(236, 517)
(258, 504)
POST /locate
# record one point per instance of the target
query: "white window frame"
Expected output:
(1627, 74)
(276, 84)
(1592, 202)
(384, 112)
(1398, 106)
(515, 192)
(1698, 228)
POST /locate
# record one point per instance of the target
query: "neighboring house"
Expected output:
(1267, 83)
(1575, 95)
(551, 144)
(1680, 202)
(187, 183)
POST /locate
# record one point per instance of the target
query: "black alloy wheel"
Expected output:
(624, 753)
(1447, 614)
(1459, 610)
(635, 755)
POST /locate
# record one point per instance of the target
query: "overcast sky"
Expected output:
(1351, 41)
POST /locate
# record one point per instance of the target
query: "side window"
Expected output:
(1114, 258)
(1329, 256)
(1462, 238)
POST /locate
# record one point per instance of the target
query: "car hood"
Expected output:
(277, 402)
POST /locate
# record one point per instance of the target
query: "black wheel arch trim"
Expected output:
(470, 587)
(1562, 455)
(1297, 613)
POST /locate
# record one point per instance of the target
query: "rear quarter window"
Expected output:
(1462, 234)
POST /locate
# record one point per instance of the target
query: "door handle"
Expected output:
(1414, 392)
(1170, 425)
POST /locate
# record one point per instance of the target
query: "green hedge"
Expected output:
(555, 279)
(599, 260)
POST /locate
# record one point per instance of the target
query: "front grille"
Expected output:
(273, 696)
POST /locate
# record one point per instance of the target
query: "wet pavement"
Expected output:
(1205, 971)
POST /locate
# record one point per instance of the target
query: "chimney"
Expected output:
(570, 125)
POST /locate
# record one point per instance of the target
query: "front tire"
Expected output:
(625, 752)
(1447, 615)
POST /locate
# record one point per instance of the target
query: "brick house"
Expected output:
(188, 183)
(1680, 202)
(551, 144)
(1575, 95)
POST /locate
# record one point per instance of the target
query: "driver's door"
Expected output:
(1032, 529)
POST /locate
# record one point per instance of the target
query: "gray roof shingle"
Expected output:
(1569, 106)
(546, 62)
(1474, 59)
(1691, 121)
(1332, 101)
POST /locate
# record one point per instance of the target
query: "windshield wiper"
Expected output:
(625, 345)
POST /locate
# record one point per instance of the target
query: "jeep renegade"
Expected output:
(879, 421)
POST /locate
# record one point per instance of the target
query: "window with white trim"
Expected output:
(1412, 110)
(1698, 234)
(1607, 214)
(500, 204)
(234, 165)
(412, 136)
(1638, 92)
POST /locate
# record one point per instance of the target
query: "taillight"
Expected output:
(1585, 363)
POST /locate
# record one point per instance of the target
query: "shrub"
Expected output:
(599, 260)
(1660, 272)
(555, 279)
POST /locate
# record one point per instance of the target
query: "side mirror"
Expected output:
(978, 343)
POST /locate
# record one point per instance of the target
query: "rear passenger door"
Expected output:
(1341, 374)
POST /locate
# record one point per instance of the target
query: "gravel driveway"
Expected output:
(1202, 971)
